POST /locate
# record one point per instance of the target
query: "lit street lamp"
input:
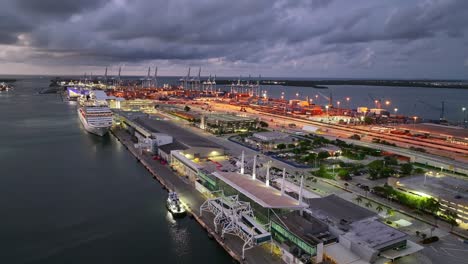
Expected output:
(387, 103)
(464, 115)
(414, 124)
(395, 110)
(347, 102)
(326, 107)
(316, 98)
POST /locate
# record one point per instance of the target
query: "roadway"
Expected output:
(447, 157)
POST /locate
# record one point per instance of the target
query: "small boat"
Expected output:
(174, 205)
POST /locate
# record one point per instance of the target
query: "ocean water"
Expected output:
(67, 196)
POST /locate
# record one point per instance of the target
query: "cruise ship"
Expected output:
(95, 116)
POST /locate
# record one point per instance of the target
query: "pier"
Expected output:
(193, 201)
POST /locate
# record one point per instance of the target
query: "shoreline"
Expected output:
(168, 186)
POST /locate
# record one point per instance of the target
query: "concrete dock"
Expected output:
(193, 199)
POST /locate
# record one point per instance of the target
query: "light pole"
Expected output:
(326, 107)
(387, 103)
(414, 124)
(464, 115)
(316, 98)
(395, 111)
(338, 104)
(347, 102)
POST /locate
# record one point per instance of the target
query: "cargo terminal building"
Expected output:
(226, 123)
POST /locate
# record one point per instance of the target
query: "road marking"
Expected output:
(433, 248)
(457, 249)
(445, 250)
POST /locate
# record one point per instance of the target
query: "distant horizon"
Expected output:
(237, 77)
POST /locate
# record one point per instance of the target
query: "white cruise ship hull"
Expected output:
(97, 130)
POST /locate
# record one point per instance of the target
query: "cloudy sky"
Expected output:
(299, 38)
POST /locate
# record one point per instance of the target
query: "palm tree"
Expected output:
(451, 217)
(368, 204)
(366, 189)
(433, 206)
(358, 199)
(379, 208)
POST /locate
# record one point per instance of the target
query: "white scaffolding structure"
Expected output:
(236, 218)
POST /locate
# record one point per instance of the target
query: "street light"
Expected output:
(316, 98)
(326, 107)
(347, 102)
(395, 110)
(387, 103)
(464, 115)
(297, 94)
(414, 124)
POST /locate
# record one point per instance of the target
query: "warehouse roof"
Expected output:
(179, 133)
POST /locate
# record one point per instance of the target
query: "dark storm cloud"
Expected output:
(57, 7)
(411, 23)
(315, 34)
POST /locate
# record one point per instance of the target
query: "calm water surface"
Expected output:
(70, 197)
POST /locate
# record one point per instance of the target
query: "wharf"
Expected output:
(193, 200)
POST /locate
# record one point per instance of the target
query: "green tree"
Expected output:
(304, 143)
(281, 146)
(368, 204)
(291, 146)
(263, 124)
(390, 212)
(187, 108)
(323, 155)
(451, 218)
(368, 120)
(358, 199)
(433, 206)
(366, 189)
(379, 208)
(406, 168)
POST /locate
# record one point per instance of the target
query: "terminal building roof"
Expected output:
(181, 134)
(306, 227)
(172, 146)
(374, 233)
(335, 209)
(257, 191)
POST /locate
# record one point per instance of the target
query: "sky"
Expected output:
(276, 38)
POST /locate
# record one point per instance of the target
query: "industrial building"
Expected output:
(227, 123)
(361, 236)
(146, 139)
(451, 192)
(196, 146)
(269, 140)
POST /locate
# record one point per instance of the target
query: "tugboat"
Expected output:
(174, 205)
